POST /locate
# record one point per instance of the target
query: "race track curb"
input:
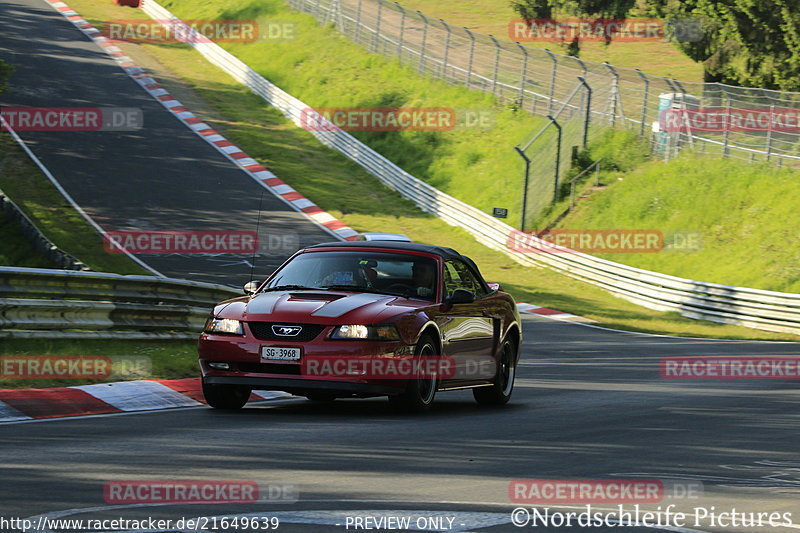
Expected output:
(236, 155)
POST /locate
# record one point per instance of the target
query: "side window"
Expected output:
(462, 278)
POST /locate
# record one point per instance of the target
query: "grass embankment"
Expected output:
(338, 185)
(493, 16)
(744, 217)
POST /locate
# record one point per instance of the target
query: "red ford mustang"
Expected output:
(364, 319)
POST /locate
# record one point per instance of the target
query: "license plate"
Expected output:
(285, 354)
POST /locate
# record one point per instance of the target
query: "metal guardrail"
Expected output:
(43, 245)
(65, 304)
(767, 310)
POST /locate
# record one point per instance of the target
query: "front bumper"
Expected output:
(243, 354)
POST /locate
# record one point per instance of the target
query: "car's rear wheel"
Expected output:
(500, 391)
(228, 397)
(420, 392)
(320, 397)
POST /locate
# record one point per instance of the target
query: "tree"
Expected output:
(745, 42)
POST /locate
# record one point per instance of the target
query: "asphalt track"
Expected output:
(588, 403)
(161, 177)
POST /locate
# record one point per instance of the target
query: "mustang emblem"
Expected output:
(286, 331)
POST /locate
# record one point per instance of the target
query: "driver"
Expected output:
(423, 275)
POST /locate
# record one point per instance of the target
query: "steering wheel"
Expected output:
(401, 286)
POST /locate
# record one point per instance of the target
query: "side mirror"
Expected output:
(251, 287)
(460, 296)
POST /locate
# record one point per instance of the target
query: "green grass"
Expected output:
(746, 216)
(492, 17)
(24, 183)
(168, 359)
(348, 192)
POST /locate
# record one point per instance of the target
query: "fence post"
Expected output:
(552, 81)
(496, 62)
(523, 74)
(727, 125)
(583, 75)
(377, 33)
(769, 131)
(317, 11)
(644, 100)
(614, 94)
(471, 55)
(402, 30)
(446, 26)
(358, 20)
(525, 187)
(558, 158)
(424, 42)
(588, 116)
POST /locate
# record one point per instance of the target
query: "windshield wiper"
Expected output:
(290, 288)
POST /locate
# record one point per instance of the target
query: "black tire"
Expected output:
(320, 397)
(227, 397)
(420, 392)
(500, 391)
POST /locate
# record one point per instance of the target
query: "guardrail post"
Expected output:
(424, 42)
(496, 62)
(446, 26)
(376, 36)
(471, 55)
(588, 116)
(402, 30)
(552, 81)
(525, 186)
(646, 81)
(523, 74)
(558, 158)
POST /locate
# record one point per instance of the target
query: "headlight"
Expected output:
(223, 325)
(372, 333)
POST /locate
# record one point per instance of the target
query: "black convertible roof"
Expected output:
(442, 251)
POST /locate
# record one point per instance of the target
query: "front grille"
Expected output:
(263, 331)
(270, 368)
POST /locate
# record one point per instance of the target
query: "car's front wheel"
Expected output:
(420, 391)
(500, 391)
(228, 397)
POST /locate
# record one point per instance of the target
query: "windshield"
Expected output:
(406, 275)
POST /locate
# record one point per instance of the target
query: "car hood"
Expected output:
(320, 307)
